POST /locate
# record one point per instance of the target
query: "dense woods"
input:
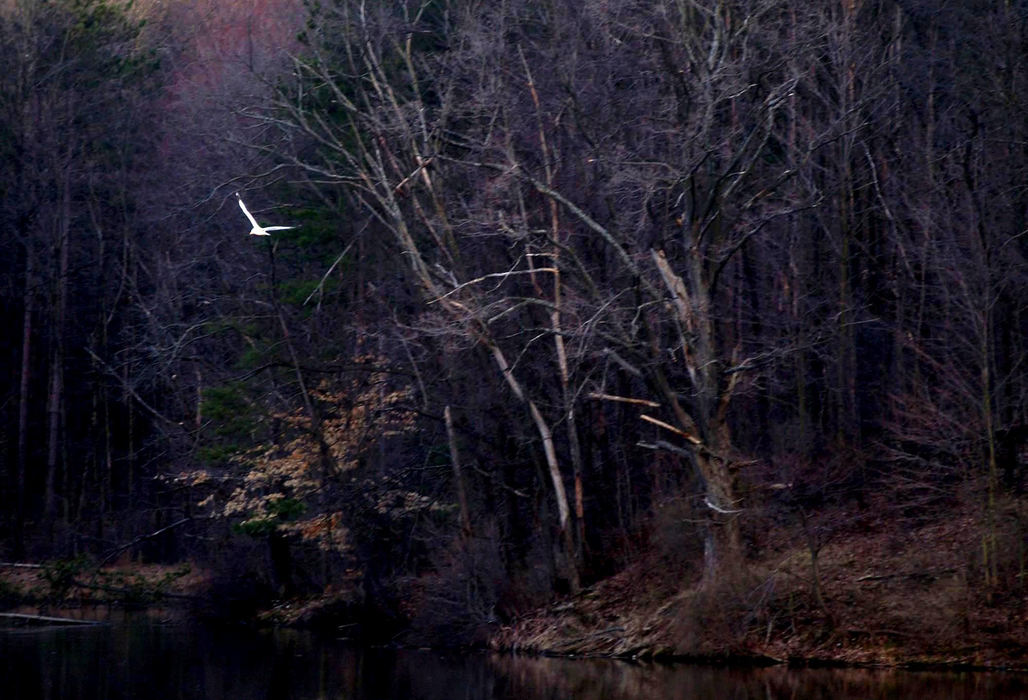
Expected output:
(572, 285)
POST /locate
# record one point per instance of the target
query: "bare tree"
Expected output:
(491, 178)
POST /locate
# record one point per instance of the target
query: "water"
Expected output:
(143, 657)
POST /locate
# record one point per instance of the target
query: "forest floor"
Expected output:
(74, 583)
(912, 597)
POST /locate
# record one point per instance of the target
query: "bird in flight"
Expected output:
(257, 229)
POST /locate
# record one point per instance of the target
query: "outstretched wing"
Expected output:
(277, 228)
(247, 212)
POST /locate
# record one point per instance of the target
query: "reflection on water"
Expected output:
(552, 678)
(140, 657)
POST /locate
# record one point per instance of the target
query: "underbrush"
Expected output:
(878, 594)
(78, 582)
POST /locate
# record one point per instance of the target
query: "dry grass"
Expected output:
(891, 596)
(70, 583)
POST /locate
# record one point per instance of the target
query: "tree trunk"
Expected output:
(55, 398)
(556, 478)
(458, 476)
(706, 429)
(28, 302)
(555, 319)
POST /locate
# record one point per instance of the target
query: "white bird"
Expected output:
(257, 229)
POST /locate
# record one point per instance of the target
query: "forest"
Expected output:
(573, 290)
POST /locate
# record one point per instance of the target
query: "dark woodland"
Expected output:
(575, 290)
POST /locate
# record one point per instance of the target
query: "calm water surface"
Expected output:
(142, 657)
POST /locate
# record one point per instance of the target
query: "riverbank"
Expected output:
(869, 596)
(863, 595)
(74, 582)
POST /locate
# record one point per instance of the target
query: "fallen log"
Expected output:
(134, 592)
(930, 574)
(46, 619)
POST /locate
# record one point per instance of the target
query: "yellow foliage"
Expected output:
(275, 481)
(326, 531)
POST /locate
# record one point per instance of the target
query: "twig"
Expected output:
(321, 284)
(667, 426)
(718, 509)
(491, 275)
(127, 387)
(666, 446)
(118, 550)
(623, 399)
